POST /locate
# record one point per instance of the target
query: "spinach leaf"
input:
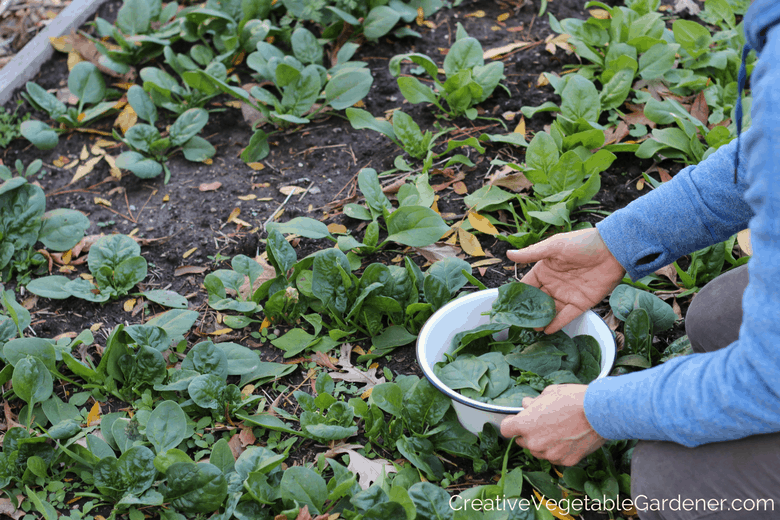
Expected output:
(522, 305)
(195, 488)
(541, 358)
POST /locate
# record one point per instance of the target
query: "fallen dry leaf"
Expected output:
(233, 215)
(129, 304)
(353, 374)
(323, 360)
(368, 470)
(469, 243)
(295, 190)
(439, 250)
(85, 169)
(235, 446)
(189, 253)
(102, 202)
(498, 51)
(743, 239)
(126, 118)
(460, 188)
(7, 508)
(251, 196)
(84, 155)
(189, 269)
(256, 166)
(668, 271)
(340, 229)
(94, 413)
(482, 224)
(486, 261)
(210, 186)
(246, 437)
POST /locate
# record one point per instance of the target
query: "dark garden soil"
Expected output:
(323, 158)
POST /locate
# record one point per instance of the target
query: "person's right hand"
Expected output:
(575, 268)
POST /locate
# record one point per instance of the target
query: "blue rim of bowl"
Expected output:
(455, 396)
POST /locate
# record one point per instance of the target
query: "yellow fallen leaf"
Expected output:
(189, 252)
(266, 323)
(486, 261)
(84, 153)
(74, 58)
(337, 228)
(359, 104)
(482, 224)
(62, 43)
(495, 28)
(220, 332)
(86, 276)
(476, 14)
(367, 393)
(509, 116)
(94, 413)
(166, 198)
(95, 327)
(743, 239)
(429, 24)
(233, 104)
(133, 232)
(397, 259)
(640, 184)
(234, 214)
(96, 150)
(247, 390)
(553, 508)
(103, 143)
(469, 243)
(600, 14)
(520, 128)
(251, 196)
(242, 222)
(420, 16)
(256, 166)
(460, 188)
(542, 80)
(66, 256)
(129, 304)
(295, 190)
(85, 169)
(126, 118)
(60, 161)
(208, 161)
(502, 17)
(359, 351)
(102, 202)
(112, 168)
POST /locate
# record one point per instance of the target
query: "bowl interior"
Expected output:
(465, 313)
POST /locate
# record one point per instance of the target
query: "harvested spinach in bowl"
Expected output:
(503, 361)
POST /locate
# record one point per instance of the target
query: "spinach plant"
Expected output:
(300, 80)
(143, 28)
(9, 125)
(86, 83)
(116, 265)
(149, 151)
(166, 92)
(239, 281)
(468, 80)
(24, 222)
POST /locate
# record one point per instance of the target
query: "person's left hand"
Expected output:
(553, 425)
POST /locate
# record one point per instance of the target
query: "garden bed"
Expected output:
(216, 209)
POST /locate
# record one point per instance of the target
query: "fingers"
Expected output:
(562, 318)
(532, 253)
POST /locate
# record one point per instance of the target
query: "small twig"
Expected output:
(265, 225)
(309, 150)
(305, 192)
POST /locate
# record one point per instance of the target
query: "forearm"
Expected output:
(701, 206)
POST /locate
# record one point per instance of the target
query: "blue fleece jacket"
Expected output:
(734, 392)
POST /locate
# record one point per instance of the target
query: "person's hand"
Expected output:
(553, 426)
(575, 268)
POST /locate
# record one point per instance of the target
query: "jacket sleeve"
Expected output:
(699, 207)
(733, 392)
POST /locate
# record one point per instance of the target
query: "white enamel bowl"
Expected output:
(465, 313)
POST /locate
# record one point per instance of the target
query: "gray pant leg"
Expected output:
(731, 480)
